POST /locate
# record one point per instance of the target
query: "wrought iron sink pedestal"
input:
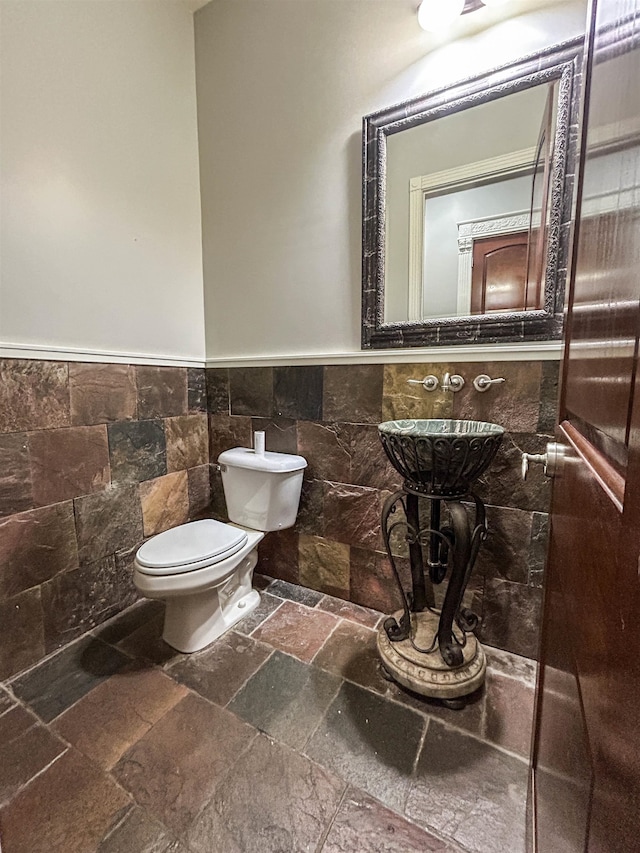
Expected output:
(433, 651)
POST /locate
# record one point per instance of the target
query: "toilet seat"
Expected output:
(189, 547)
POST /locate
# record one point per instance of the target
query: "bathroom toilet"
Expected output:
(204, 569)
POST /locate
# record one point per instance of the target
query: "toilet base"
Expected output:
(192, 622)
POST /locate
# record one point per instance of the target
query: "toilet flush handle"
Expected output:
(551, 460)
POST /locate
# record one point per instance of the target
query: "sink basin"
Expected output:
(440, 457)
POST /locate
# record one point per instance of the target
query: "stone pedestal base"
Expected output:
(428, 674)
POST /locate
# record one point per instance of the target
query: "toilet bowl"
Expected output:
(204, 569)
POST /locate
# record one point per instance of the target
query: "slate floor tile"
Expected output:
(173, 770)
(469, 791)
(296, 630)
(26, 748)
(220, 670)
(176, 847)
(286, 699)
(200, 779)
(273, 800)
(349, 610)
(470, 719)
(118, 712)
(6, 701)
(146, 643)
(268, 604)
(509, 715)
(129, 620)
(68, 808)
(363, 825)
(516, 666)
(351, 653)
(138, 833)
(294, 592)
(369, 742)
(59, 681)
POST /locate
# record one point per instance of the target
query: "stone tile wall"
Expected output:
(329, 415)
(93, 459)
(96, 457)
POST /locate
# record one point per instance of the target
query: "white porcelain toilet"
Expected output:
(204, 568)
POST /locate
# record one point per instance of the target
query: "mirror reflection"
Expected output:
(467, 200)
(464, 197)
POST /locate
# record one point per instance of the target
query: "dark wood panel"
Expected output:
(586, 757)
(581, 659)
(603, 325)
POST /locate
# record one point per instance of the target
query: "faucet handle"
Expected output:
(484, 382)
(429, 383)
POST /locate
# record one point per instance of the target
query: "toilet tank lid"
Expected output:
(245, 457)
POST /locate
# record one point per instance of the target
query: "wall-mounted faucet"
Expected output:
(431, 382)
(452, 383)
(455, 382)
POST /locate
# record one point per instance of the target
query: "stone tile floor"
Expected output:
(281, 736)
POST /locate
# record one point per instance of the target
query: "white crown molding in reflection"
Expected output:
(52, 353)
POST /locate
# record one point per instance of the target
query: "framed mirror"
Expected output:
(467, 205)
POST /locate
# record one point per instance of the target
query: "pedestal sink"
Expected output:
(440, 457)
(430, 651)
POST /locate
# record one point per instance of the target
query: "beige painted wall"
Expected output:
(282, 88)
(100, 219)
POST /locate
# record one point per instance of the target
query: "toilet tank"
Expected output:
(262, 490)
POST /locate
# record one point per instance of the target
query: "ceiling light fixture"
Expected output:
(435, 15)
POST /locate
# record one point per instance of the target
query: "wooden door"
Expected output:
(586, 756)
(499, 273)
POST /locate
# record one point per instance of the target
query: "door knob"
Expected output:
(551, 459)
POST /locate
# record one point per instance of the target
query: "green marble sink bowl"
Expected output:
(439, 457)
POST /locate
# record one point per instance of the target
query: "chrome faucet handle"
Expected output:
(484, 382)
(429, 383)
(452, 383)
